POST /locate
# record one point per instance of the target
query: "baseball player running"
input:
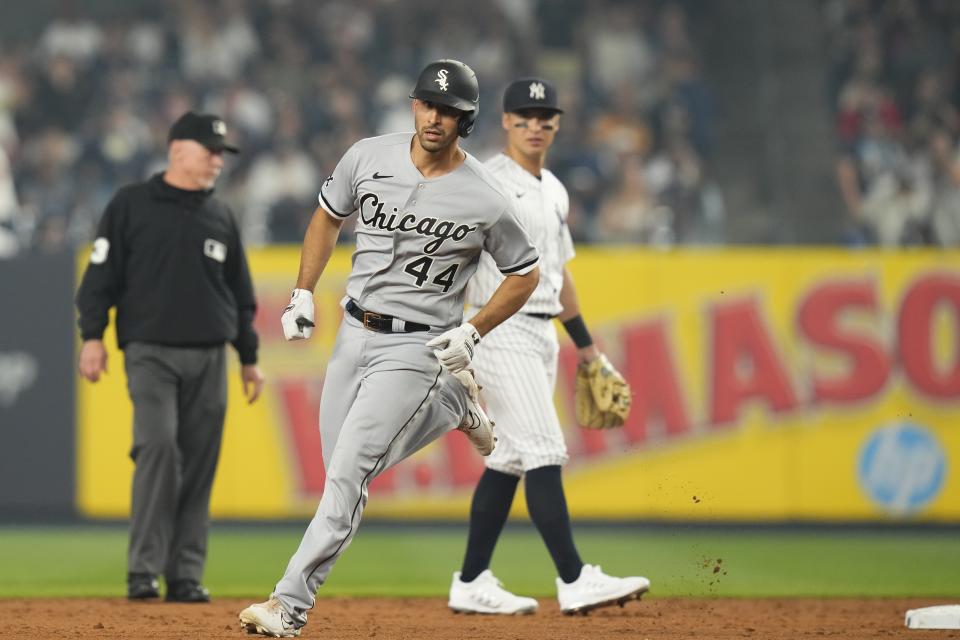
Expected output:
(426, 210)
(518, 366)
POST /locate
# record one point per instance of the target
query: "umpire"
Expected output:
(168, 256)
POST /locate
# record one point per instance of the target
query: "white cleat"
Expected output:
(269, 619)
(595, 589)
(476, 424)
(485, 594)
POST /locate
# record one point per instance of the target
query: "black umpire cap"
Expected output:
(207, 129)
(530, 93)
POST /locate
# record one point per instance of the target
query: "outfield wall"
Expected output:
(36, 387)
(770, 384)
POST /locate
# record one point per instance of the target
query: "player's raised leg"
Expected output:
(396, 412)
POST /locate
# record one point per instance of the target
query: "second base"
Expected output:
(945, 616)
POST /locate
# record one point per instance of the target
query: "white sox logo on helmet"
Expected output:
(538, 91)
(441, 79)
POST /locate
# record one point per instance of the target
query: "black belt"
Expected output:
(382, 323)
(541, 316)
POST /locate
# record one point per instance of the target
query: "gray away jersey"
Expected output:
(542, 207)
(419, 240)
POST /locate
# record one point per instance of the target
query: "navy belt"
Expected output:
(382, 323)
(541, 316)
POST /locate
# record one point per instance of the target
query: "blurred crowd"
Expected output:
(895, 82)
(85, 105)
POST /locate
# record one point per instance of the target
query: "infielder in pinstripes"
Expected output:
(426, 210)
(517, 364)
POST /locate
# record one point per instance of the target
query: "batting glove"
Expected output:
(454, 348)
(297, 318)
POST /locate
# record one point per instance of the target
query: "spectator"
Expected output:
(675, 178)
(945, 215)
(931, 110)
(279, 184)
(9, 210)
(896, 118)
(213, 50)
(632, 213)
(70, 36)
(618, 50)
(61, 96)
(313, 77)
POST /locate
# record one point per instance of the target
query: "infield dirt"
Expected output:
(429, 618)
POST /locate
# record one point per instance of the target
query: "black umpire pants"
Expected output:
(179, 399)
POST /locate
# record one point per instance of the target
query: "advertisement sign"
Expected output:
(769, 384)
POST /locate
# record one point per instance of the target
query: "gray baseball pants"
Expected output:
(179, 401)
(385, 397)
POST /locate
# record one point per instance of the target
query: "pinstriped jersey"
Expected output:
(419, 239)
(542, 206)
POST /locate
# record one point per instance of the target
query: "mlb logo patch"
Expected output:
(215, 250)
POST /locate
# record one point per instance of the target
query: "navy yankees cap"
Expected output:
(530, 93)
(207, 129)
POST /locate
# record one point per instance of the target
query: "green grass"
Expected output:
(247, 561)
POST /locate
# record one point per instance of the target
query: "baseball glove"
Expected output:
(601, 395)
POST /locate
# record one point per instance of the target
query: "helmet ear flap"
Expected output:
(465, 125)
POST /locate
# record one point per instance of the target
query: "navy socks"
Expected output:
(488, 513)
(548, 510)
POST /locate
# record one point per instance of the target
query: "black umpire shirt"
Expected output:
(172, 263)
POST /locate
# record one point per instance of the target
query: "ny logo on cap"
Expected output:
(220, 127)
(538, 91)
(442, 79)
